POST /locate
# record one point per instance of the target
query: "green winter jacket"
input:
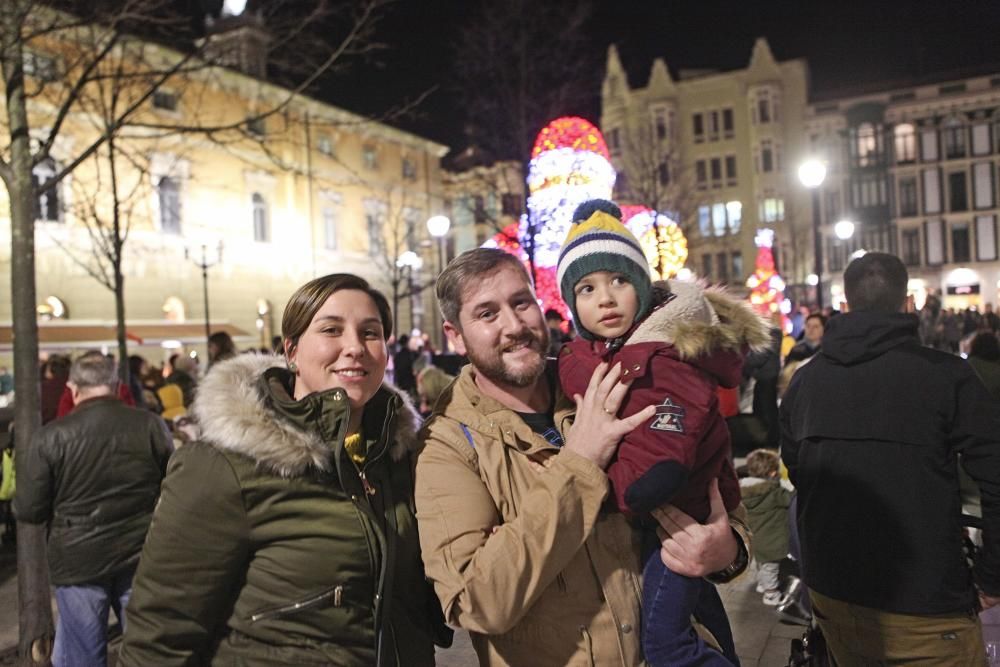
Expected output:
(767, 508)
(265, 548)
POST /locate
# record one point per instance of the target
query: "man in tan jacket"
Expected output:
(510, 491)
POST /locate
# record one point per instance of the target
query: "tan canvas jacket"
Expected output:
(519, 543)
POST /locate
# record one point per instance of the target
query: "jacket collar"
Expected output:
(244, 405)
(699, 320)
(94, 400)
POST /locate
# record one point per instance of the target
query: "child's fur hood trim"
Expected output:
(234, 415)
(700, 319)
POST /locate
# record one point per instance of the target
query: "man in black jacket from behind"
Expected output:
(873, 431)
(94, 477)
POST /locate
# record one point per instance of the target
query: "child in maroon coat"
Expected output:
(676, 343)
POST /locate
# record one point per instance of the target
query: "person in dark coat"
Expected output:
(984, 357)
(872, 429)
(94, 477)
(55, 373)
(402, 363)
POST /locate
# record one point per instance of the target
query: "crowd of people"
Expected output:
(576, 492)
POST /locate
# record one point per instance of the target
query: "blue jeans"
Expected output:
(82, 628)
(668, 602)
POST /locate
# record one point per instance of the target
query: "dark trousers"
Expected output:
(669, 600)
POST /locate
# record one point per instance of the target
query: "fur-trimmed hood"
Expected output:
(236, 413)
(699, 320)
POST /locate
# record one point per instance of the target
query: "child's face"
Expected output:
(606, 303)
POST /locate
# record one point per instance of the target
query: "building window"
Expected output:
(663, 174)
(716, 172)
(763, 108)
(165, 100)
(911, 247)
(960, 242)
(737, 258)
(953, 138)
(329, 227)
(772, 209)
(730, 170)
(727, 124)
(511, 204)
(907, 197)
(934, 238)
(929, 145)
(257, 126)
(698, 124)
(958, 198)
(832, 204)
(868, 190)
(614, 139)
(766, 157)
(374, 215)
(700, 174)
(168, 192)
(906, 143)
(866, 145)
(932, 192)
(47, 203)
(986, 238)
(660, 125)
(722, 264)
(981, 139)
(719, 219)
(734, 213)
(713, 125)
(705, 220)
(261, 227)
(706, 265)
(39, 66)
(369, 157)
(982, 183)
(324, 144)
(409, 169)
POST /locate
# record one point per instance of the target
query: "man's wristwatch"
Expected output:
(736, 567)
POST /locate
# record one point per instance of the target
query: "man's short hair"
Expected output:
(816, 315)
(94, 369)
(467, 269)
(876, 282)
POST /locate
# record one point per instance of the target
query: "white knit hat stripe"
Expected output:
(594, 246)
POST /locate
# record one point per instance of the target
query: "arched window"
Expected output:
(261, 228)
(169, 193)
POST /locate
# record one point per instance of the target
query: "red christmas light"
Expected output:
(570, 132)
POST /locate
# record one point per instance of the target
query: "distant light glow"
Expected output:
(812, 173)
(233, 7)
(844, 229)
(812, 279)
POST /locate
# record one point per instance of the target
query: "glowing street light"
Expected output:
(844, 229)
(812, 173)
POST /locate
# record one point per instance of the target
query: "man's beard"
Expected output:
(492, 366)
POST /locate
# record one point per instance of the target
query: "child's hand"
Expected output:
(596, 431)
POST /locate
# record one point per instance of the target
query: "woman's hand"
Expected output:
(694, 549)
(596, 431)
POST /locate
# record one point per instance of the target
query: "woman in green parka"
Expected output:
(286, 535)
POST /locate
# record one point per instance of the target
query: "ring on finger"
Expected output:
(608, 412)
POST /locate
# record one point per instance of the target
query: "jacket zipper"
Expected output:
(336, 594)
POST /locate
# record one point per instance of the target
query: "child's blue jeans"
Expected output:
(668, 602)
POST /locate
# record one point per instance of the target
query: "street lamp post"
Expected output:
(409, 261)
(812, 172)
(438, 226)
(205, 265)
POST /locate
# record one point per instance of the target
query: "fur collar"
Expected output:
(701, 319)
(234, 415)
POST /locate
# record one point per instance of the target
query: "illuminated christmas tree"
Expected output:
(767, 289)
(662, 240)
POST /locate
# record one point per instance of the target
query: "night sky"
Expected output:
(848, 44)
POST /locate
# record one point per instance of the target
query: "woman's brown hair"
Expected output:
(308, 299)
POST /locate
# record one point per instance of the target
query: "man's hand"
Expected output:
(596, 431)
(986, 601)
(692, 549)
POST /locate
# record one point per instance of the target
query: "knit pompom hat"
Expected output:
(599, 241)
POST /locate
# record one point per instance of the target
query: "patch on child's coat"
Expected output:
(669, 417)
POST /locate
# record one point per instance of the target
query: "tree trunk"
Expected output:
(117, 245)
(34, 608)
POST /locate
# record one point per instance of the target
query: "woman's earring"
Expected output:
(293, 368)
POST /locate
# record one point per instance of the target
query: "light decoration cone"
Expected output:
(661, 238)
(767, 289)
